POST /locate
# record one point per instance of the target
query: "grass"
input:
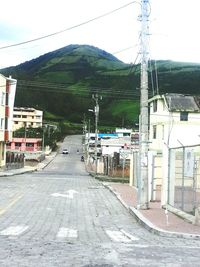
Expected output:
(128, 108)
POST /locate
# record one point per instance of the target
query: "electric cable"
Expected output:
(70, 28)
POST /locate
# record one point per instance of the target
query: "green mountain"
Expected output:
(62, 83)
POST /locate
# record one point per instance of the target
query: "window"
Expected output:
(1, 124)
(3, 98)
(7, 99)
(154, 131)
(17, 144)
(184, 116)
(29, 145)
(155, 105)
(24, 116)
(163, 132)
(3, 152)
(6, 123)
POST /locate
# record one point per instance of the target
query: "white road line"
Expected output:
(133, 238)
(67, 233)
(2, 211)
(14, 230)
(121, 236)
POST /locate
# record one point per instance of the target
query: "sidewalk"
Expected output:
(155, 219)
(26, 169)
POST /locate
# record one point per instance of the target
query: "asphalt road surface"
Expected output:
(61, 216)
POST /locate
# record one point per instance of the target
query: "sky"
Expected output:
(173, 27)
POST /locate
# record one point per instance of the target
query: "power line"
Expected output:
(82, 91)
(70, 28)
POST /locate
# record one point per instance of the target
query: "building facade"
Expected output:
(26, 117)
(174, 122)
(25, 144)
(7, 97)
(172, 116)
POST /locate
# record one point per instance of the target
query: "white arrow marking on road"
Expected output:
(70, 194)
(14, 230)
(58, 195)
(67, 232)
(121, 236)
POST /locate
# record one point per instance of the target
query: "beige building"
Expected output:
(26, 117)
(7, 97)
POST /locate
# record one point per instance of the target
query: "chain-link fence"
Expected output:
(184, 178)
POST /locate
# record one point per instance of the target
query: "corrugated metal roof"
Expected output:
(178, 102)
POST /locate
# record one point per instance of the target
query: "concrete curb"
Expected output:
(147, 224)
(156, 230)
(28, 170)
(44, 165)
(4, 174)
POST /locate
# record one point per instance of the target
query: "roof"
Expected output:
(105, 135)
(120, 141)
(26, 140)
(8, 78)
(26, 109)
(178, 102)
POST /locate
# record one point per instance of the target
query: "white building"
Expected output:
(119, 144)
(27, 117)
(123, 132)
(174, 122)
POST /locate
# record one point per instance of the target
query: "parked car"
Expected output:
(65, 151)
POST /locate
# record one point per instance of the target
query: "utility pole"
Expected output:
(43, 132)
(143, 202)
(25, 134)
(88, 140)
(96, 112)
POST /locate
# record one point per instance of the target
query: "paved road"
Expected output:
(63, 217)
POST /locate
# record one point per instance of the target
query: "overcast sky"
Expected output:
(174, 28)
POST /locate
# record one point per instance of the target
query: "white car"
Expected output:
(65, 151)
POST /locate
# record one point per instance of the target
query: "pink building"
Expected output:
(25, 144)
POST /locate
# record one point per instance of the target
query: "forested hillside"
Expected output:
(62, 83)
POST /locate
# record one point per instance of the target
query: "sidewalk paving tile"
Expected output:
(156, 215)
